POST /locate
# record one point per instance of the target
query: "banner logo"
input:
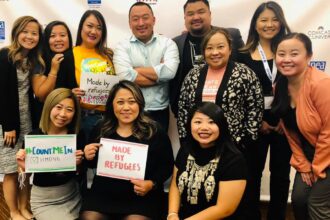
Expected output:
(321, 33)
(319, 64)
(94, 3)
(2, 31)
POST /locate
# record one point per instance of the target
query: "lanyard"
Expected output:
(270, 74)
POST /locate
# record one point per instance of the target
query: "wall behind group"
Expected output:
(310, 17)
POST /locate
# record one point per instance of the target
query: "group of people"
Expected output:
(232, 101)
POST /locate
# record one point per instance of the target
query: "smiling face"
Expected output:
(217, 51)
(267, 25)
(292, 58)
(204, 130)
(59, 39)
(91, 32)
(28, 38)
(141, 22)
(125, 107)
(62, 114)
(197, 18)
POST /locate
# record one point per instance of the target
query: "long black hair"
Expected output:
(47, 52)
(281, 103)
(253, 36)
(143, 126)
(101, 46)
(223, 142)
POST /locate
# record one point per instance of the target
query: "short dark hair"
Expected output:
(303, 38)
(139, 4)
(281, 103)
(216, 113)
(212, 32)
(47, 33)
(206, 2)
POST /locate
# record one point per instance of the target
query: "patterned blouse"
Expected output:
(239, 95)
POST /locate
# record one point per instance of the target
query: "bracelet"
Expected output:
(53, 75)
(170, 214)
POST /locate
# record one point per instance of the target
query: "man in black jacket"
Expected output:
(197, 16)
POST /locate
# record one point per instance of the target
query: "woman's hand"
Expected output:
(142, 187)
(20, 158)
(266, 128)
(79, 156)
(279, 129)
(173, 216)
(56, 61)
(90, 150)
(308, 178)
(10, 138)
(78, 92)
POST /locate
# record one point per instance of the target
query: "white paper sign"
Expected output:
(121, 159)
(97, 78)
(50, 153)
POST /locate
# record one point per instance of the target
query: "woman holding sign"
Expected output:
(92, 59)
(209, 175)
(56, 195)
(127, 198)
(18, 63)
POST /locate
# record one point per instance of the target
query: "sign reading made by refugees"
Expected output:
(50, 153)
(121, 159)
(97, 78)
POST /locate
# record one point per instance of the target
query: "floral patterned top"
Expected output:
(239, 95)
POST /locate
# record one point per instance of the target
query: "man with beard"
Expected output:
(197, 16)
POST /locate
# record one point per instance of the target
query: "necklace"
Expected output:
(196, 59)
(196, 176)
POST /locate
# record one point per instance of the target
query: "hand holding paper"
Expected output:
(20, 158)
(90, 150)
(79, 156)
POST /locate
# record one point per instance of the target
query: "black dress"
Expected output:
(230, 166)
(116, 196)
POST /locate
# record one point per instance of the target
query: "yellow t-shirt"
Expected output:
(89, 59)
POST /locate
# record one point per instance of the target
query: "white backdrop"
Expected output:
(310, 17)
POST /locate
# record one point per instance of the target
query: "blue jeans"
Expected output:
(88, 123)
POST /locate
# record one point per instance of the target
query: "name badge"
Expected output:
(268, 100)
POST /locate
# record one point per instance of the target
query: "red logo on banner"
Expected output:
(151, 2)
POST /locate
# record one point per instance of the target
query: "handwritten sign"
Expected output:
(97, 78)
(121, 159)
(50, 153)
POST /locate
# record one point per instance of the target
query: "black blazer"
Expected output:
(9, 101)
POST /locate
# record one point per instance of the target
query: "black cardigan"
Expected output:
(9, 110)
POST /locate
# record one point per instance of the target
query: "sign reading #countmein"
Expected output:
(50, 153)
(121, 159)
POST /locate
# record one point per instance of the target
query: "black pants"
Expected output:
(279, 165)
(161, 116)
